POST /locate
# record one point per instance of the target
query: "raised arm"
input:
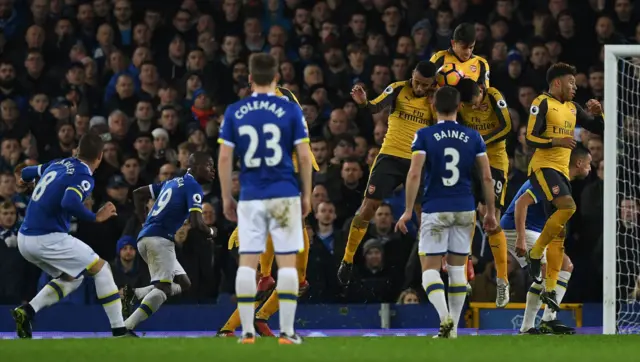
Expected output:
(384, 100)
(588, 121)
(520, 214)
(29, 173)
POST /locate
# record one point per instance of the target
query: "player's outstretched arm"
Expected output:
(412, 183)
(482, 163)
(306, 171)
(29, 173)
(225, 168)
(520, 216)
(384, 100)
(141, 197)
(592, 121)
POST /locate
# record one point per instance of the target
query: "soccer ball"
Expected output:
(449, 75)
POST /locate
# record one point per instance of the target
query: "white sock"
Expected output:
(149, 305)
(532, 307)
(53, 292)
(175, 289)
(246, 288)
(287, 289)
(457, 292)
(142, 292)
(433, 285)
(109, 296)
(561, 289)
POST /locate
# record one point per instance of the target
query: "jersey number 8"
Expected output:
(451, 166)
(272, 143)
(162, 202)
(38, 191)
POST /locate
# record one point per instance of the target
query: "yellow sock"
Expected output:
(554, 225)
(498, 243)
(270, 307)
(555, 256)
(303, 258)
(234, 321)
(356, 232)
(266, 259)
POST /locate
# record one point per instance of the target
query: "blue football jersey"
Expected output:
(536, 216)
(264, 130)
(451, 150)
(45, 213)
(175, 199)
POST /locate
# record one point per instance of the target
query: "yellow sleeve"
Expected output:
(289, 94)
(438, 58)
(483, 78)
(538, 123)
(386, 98)
(233, 239)
(502, 113)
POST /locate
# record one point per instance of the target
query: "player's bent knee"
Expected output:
(368, 208)
(286, 260)
(457, 260)
(164, 287)
(249, 260)
(565, 203)
(67, 277)
(184, 282)
(567, 265)
(429, 262)
(95, 268)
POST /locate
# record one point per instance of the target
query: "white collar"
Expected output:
(255, 94)
(449, 120)
(87, 166)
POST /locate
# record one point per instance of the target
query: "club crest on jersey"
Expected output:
(371, 189)
(534, 110)
(573, 111)
(555, 189)
(388, 90)
(473, 68)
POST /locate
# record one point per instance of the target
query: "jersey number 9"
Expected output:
(452, 166)
(273, 144)
(38, 191)
(162, 202)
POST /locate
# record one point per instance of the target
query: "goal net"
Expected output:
(621, 235)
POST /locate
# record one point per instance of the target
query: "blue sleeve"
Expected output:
(155, 189)
(75, 194)
(419, 144)
(481, 146)
(300, 132)
(226, 135)
(29, 173)
(194, 196)
(535, 195)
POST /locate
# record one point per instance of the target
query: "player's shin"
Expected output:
(498, 243)
(149, 305)
(555, 256)
(246, 288)
(109, 297)
(554, 226)
(142, 292)
(357, 230)
(288, 294)
(457, 291)
(434, 287)
(532, 307)
(561, 289)
(52, 293)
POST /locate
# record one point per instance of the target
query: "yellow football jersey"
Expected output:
(407, 115)
(476, 68)
(492, 120)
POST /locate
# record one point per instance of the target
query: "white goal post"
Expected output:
(619, 312)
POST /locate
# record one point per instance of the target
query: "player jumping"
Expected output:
(522, 223)
(176, 201)
(264, 130)
(488, 114)
(448, 151)
(266, 282)
(550, 128)
(410, 111)
(44, 238)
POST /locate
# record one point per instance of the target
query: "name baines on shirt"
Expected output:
(407, 114)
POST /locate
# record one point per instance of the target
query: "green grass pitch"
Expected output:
(383, 349)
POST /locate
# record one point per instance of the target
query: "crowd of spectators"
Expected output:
(153, 78)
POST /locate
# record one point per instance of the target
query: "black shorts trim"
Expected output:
(499, 186)
(387, 173)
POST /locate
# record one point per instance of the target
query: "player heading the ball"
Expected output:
(264, 130)
(448, 151)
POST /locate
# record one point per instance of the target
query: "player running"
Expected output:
(264, 130)
(266, 282)
(485, 110)
(410, 111)
(550, 128)
(44, 238)
(176, 201)
(461, 54)
(522, 223)
(448, 151)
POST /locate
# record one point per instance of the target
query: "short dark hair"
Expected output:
(90, 147)
(559, 70)
(447, 100)
(577, 153)
(199, 158)
(465, 33)
(318, 139)
(263, 68)
(468, 89)
(426, 69)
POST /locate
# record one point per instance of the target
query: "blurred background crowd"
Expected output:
(153, 78)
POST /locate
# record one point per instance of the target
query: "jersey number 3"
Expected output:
(272, 144)
(451, 166)
(38, 191)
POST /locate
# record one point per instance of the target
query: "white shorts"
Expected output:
(160, 255)
(57, 253)
(281, 218)
(446, 233)
(530, 239)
